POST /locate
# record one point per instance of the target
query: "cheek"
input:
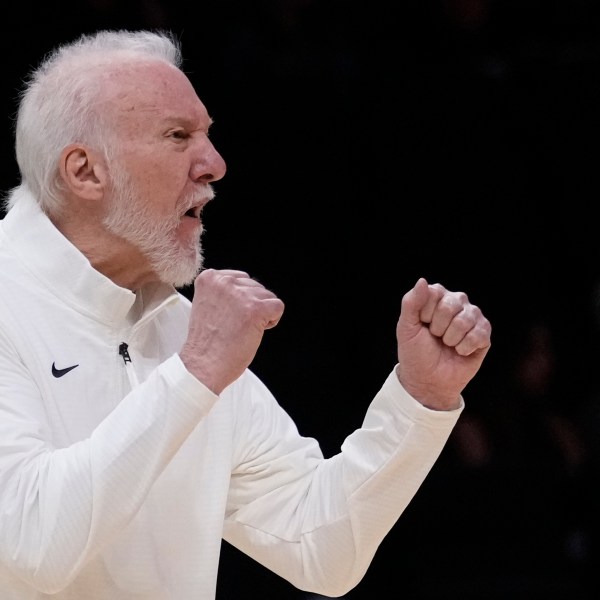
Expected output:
(162, 187)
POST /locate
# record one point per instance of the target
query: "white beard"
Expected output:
(127, 218)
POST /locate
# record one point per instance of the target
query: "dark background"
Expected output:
(369, 143)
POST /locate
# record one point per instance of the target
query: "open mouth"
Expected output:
(193, 212)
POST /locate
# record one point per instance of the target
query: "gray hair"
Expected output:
(60, 101)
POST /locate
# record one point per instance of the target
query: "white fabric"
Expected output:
(114, 490)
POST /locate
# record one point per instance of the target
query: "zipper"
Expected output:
(124, 354)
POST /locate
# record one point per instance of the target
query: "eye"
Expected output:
(179, 134)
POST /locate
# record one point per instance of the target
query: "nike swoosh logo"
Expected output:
(60, 372)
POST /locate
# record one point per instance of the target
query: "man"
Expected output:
(133, 436)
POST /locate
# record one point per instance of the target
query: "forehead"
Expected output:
(153, 94)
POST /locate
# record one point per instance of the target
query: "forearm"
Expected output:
(59, 506)
(330, 522)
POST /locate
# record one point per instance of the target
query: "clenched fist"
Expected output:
(230, 312)
(442, 341)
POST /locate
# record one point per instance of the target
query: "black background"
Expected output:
(370, 143)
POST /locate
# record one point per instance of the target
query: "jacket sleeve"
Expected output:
(318, 522)
(59, 506)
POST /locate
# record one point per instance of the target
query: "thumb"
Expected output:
(413, 303)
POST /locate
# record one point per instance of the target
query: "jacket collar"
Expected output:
(67, 273)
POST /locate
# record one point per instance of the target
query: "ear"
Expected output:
(83, 171)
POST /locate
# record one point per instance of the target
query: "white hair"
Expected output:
(60, 101)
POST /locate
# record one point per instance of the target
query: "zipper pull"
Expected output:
(124, 352)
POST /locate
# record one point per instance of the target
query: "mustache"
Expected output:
(198, 197)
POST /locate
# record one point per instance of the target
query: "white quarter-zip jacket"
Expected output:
(120, 472)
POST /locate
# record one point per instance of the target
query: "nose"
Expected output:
(209, 165)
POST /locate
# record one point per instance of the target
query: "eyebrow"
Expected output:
(188, 123)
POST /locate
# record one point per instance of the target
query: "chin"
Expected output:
(182, 272)
(177, 264)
